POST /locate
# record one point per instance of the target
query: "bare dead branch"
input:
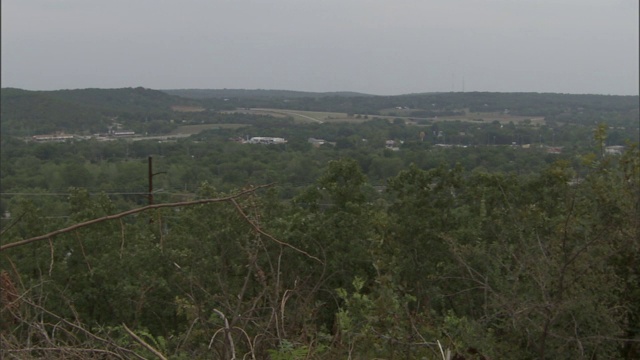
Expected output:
(13, 223)
(130, 212)
(144, 343)
(180, 344)
(84, 254)
(262, 232)
(51, 250)
(251, 345)
(66, 350)
(108, 342)
(227, 330)
(122, 237)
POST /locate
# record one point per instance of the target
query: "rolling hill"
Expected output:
(25, 113)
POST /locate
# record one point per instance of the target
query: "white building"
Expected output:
(266, 140)
(52, 137)
(316, 142)
(122, 133)
(614, 150)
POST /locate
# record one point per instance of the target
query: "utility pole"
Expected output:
(151, 175)
(150, 180)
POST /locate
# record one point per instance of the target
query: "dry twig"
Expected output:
(262, 232)
(144, 343)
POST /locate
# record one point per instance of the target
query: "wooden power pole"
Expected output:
(150, 180)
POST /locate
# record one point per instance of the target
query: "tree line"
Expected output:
(480, 264)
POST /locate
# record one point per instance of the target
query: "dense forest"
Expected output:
(414, 229)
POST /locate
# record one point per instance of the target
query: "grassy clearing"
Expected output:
(477, 117)
(182, 108)
(491, 117)
(300, 116)
(267, 112)
(195, 129)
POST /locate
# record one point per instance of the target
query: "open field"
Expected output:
(481, 117)
(301, 116)
(181, 132)
(182, 108)
(322, 117)
(491, 117)
(195, 129)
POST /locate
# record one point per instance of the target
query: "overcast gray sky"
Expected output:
(374, 46)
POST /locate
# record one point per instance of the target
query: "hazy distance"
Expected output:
(371, 46)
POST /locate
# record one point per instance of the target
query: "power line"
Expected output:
(96, 193)
(67, 194)
(171, 191)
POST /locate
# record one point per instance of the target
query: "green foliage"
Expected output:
(86, 111)
(289, 351)
(356, 251)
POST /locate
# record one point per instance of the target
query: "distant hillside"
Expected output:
(255, 94)
(26, 113)
(563, 107)
(144, 110)
(122, 100)
(33, 112)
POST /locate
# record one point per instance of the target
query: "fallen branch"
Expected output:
(262, 232)
(127, 213)
(125, 353)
